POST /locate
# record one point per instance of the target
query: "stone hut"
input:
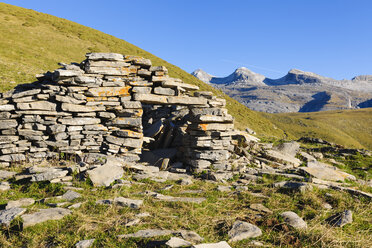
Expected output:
(114, 104)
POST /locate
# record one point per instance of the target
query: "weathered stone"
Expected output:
(186, 100)
(126, 202)
(7, 107)
(105, 175)
(261, 208)
(4, 186)
(175, 84)
(150, 98)
(109, 91)
(282, 157)
(213, 118)
(175, 242)
(79, 121)
(8, 139)
(293, 185)
(44, 215)
(26, 93)
(85, 243)
(70, 195)
(105, 56)
(128, 134)
(131, 104)
(67, 73)
(148, 233)
(38, 105)
(324, 172)
(212, 126)
(24, 202)
(49, 175)
(242, 230)
(127, 122)
(164, 91)
(292, 219)
(6, 174)
(13, 158)
(7, 124)
(340, 219)
(6, 216)
(291, 148)
(222, 244)
(142, 90)
(127, 142)
(81, 108)
(69, 99)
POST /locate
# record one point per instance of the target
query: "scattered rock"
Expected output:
(44, 215)
(6, 216)
(175, 242)
(261, 208)
(4, 174)
(148, 233)
(292, 219)
(292, 185)
(326, 172)
(4, 186)
(340, 219)
(76, 205)
(70, 195)
(85, 243)
(49, 175)
(24, 202)
(132, 222)
(243, 230)
(143, 215)
(222, 244)
(105, 174)
(326, 206)
(223, 188)
(126, 202)
(291, 148)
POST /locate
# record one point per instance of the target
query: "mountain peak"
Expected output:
(202, 75)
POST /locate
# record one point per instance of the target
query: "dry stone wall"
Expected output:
(97, 107)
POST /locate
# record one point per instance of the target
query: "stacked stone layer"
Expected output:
(97, 107)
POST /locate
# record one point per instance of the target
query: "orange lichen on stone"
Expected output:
(203, 126)
(110, 91)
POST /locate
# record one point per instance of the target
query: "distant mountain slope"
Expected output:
(298, 91)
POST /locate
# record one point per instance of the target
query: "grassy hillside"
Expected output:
(33, 42)
(352, 128)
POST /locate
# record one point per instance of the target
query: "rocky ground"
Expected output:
(300, 194)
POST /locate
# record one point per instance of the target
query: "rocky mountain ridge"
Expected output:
(297, 91)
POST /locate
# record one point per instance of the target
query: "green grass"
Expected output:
(211, 219)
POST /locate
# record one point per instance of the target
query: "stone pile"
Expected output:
(209, 141)
(96, 107)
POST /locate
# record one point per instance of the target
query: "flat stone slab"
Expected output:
(283, 157)
(222, 244)
(168, 198)
(292, 219)
(6, 216)
(49, 174)
(126, 202)
(71, 195)
(44, 215)
(24, 202)
(327, 173)
(148, 233)
(175, 242)
(4, 174)
(243, 230)
(105, 175)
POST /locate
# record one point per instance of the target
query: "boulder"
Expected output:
(243, 230)
(340, 219)
(105, 174)
(292, 219)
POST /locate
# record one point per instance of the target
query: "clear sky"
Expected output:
(329, 37)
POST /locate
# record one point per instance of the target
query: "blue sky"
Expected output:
(329, 37)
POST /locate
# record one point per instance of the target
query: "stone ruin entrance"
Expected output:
(111, 104)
